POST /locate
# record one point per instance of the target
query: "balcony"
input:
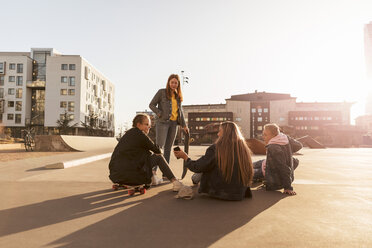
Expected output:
(35, 84)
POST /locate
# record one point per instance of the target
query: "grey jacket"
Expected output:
(162, 107)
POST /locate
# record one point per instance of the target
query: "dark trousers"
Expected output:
(159, 160)
(257, 170)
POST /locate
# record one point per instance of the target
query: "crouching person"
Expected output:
(278, 168)
(135, 156)
(226, 166)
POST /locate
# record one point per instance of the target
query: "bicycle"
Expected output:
(29, 139)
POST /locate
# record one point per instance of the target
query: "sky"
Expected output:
(311, 49)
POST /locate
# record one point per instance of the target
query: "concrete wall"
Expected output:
(241, 115)
(279, 111)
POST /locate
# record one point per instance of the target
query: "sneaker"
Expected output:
(177, 185)
(155, 180)
(196, 178)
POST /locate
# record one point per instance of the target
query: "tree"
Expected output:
(91, 124)
(64, 125)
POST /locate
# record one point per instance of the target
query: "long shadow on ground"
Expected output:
(158, 221)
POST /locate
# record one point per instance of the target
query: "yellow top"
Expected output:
(174, 108)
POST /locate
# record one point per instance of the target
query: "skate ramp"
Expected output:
(256, 146)
(310, 142)
(65, 143)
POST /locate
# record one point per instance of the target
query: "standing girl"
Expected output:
(166, 104)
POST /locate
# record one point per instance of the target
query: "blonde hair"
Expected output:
(273, 128)
(178, 90)
(232, 143)
(140, 118)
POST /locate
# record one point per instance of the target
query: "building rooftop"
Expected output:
(261, 96)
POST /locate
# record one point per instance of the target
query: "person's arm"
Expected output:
(205, 163)
(149, 144)
(154, 102)
(276, 158)
(295, 145)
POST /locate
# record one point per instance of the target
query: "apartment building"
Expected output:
(38, 87)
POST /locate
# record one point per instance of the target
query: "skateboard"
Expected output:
(132, 189)
(186, 144)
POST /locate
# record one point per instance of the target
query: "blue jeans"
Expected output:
(165, 136)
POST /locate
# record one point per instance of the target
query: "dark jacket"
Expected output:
(212, 181)
(162, 107)
(130, 161)
(280, 165)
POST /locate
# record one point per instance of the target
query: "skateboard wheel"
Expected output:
(142, 191)
(131, 192)
(115, 187)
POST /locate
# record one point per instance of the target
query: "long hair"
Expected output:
(178, 90)
(229, 145)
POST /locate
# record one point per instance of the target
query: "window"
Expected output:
(19, 93)
(11, 91)
(1, 93)
(316, 118)
(71, 117)
(19, 68)
(63, 104)
(71, 106)
(238, 119)
(71, 92)
(63, 79)
(259, 128)
(253, 110)
(2, 79)
(266, 110)
(64, 67)
(10, 116)
(12, 66)
(19, 81)
(18, 118)
(10, 104)
(72, 81)
(259, 119)
(11, 79)
(329, 118)
(72, 67)
(62, 117)
(18, 106)
(63, 92)
(1, 118)
(301, 118)
(281, 119)
(259, 110)
(2, 69)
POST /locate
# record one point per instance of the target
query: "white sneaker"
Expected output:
(177, 185)
(155, 180)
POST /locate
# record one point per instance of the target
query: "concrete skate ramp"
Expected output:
(310, 142)
(62, 143)
(256, 146)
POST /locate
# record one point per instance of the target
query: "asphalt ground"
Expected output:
(76, 207)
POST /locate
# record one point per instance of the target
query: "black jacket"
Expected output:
(280, 165)
(130, 161)
(212, 181)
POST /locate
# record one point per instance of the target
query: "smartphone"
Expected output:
(177, 148)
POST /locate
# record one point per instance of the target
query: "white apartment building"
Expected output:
(36, 89)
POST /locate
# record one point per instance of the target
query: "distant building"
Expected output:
(253, 110)
(364, 122)
(37, 87)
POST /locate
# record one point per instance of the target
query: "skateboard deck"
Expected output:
(132, 189)
(186, 149)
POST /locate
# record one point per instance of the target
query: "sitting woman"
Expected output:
(226, 166)
(132, 161)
